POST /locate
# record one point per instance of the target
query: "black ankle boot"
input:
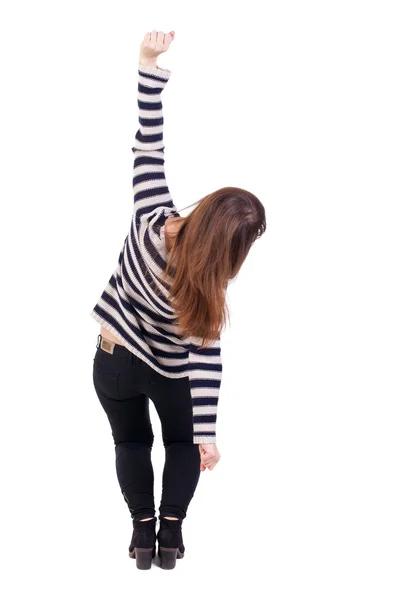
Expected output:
(170, 542)
(142, 546)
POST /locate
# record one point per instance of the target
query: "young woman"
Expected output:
(161, 316)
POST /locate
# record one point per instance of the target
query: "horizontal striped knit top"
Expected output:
(137, 313)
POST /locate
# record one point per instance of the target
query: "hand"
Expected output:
(209, 456)
(154, 44)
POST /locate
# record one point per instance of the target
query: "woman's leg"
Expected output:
(136, 477)
(180, 478)
(128, 414)
(181, 472)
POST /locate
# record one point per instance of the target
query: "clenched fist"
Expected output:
(154, 44)
(209, 456)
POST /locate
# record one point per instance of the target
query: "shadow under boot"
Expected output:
(170, 542)
(142, 546)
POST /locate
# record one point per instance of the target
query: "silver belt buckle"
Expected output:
(107, 346)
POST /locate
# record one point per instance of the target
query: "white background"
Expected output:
(302, 103)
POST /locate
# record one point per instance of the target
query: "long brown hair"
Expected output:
(208, 251)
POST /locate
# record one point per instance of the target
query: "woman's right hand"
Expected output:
(154, 44)
(209, 456)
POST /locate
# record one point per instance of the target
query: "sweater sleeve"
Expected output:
(149, 183)
(205, 370)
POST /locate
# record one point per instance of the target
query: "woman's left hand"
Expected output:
(154, 44)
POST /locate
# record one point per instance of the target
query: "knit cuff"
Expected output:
(157, 71)
(204, 439)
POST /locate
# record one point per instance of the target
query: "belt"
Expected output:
(106, 345)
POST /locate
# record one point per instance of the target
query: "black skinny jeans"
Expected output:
(124, 384)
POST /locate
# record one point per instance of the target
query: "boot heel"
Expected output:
(143, 558)
(168, 557)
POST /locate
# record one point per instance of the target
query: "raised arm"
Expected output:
(149, 183)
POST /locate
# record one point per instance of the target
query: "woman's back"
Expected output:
(134, 305)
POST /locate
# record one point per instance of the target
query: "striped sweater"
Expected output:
(132, 309)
